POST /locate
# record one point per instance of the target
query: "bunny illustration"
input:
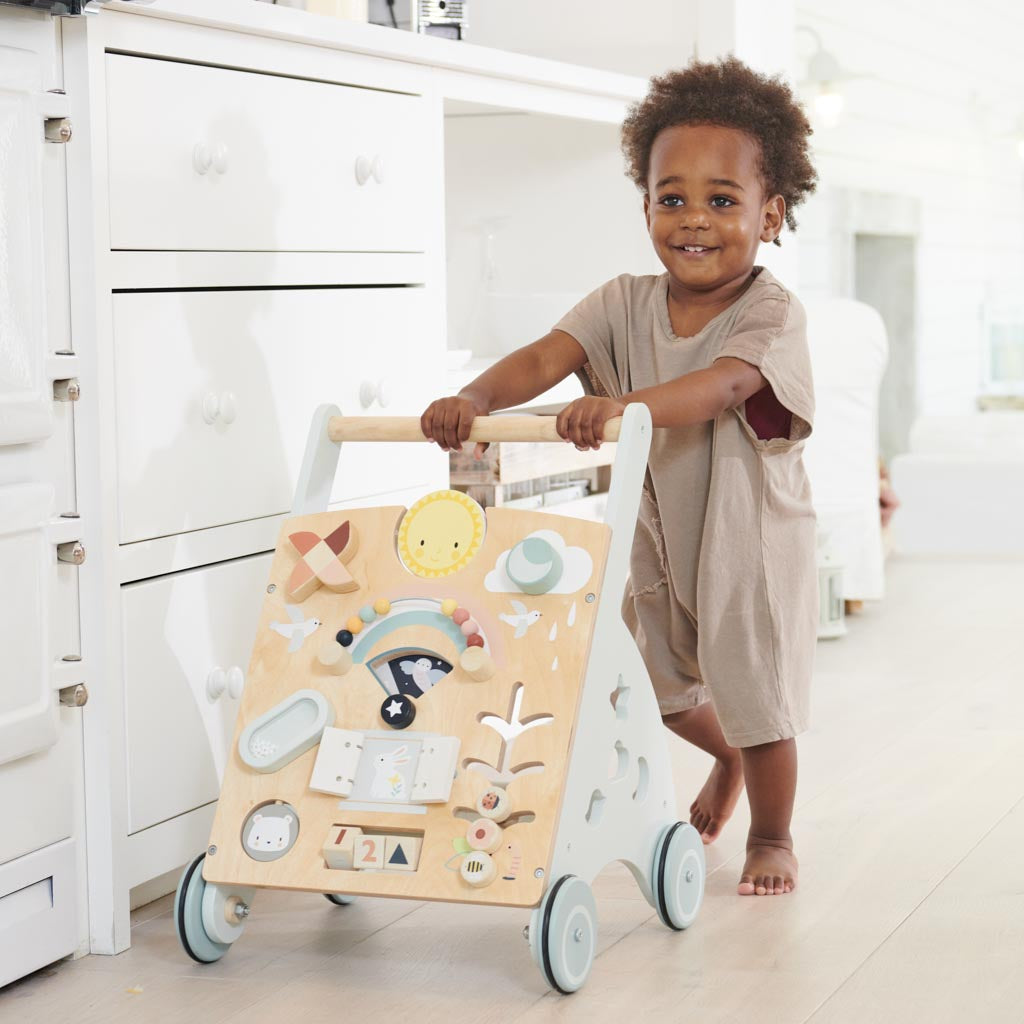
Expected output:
(388, 781)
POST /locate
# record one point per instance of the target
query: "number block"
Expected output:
(339, 849)
(369, 852)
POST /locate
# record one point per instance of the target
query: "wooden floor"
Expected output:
(909, 828)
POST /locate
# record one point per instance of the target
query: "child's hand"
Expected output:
(447, 421)
(582, 421)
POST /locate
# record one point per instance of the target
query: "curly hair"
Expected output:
(727, 93)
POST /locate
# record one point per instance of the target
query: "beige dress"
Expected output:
(723, 596)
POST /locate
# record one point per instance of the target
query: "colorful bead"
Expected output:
(354, 625)
(344, 637)
(476, 640)
(448, 606)
(382, 606)
(469, 627)
(367, 614)
(459, 616)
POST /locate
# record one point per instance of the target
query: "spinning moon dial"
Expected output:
(440, 534)
(534, 566)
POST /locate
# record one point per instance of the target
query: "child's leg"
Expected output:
(717, 800)
(770, 772)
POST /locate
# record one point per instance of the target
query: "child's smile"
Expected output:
(706, 211)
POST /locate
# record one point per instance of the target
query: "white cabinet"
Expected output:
(187, 641)
(210, 158)
(215, 392)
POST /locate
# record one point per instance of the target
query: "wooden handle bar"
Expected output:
(485, 428)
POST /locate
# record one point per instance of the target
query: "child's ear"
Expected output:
(773, 218)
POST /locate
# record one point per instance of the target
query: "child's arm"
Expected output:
(525, 374)
(693, 398)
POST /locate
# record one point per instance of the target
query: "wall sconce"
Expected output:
(824, 79)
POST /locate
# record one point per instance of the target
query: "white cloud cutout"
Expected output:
(577, 567)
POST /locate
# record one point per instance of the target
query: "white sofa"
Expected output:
(961, 487)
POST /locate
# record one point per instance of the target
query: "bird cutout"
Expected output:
(297, 630)
(572, 615)
(423, 673)
(522, 620)
(322, 562)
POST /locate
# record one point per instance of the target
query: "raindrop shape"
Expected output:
(572, 614)
(554, 664)
(554, 630)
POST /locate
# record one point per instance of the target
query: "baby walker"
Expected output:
(445, 704)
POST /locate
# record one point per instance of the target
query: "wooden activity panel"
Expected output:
(411, 701)
(445, 704)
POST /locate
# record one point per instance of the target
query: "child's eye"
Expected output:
(722, 202)
(670, 201)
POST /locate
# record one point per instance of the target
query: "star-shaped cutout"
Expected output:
(394, 708)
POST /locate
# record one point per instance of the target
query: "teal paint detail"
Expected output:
(436, 619)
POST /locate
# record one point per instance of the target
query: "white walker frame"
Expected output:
(629, 818)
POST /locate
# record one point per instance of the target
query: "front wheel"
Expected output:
(678, 875)
(563, 934)
(188, 916)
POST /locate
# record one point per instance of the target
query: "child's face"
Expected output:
(705, 190)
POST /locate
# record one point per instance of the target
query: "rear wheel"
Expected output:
(678, 875)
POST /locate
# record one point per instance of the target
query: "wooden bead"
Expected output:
(335, 657)
(476, 640)
(354, 625)
(459, 616)
(448, 606)
(495, 804)
(382, 606)
(484, 834)
(367, 614)
(477, 664)
(344, 637)
(478, 869)
(469, 627)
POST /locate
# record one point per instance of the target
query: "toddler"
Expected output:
(723, 595)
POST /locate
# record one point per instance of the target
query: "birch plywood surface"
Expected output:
(539, 673)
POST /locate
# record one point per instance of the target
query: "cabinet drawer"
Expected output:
(215, 392)
(177, 630)
(208, 158)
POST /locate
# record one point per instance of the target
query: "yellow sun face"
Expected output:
(440, 534)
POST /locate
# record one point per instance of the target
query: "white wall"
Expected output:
(642, 37)
(943, 83)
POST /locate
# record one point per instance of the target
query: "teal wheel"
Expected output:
(563, 934)
(338, 899)
(678, 875)
(188, 916)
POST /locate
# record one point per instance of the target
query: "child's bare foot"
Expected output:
(717, 800)
(771, 868)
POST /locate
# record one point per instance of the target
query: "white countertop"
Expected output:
(397, 44)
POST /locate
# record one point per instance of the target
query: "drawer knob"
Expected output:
(364, 168)
(202, 158)
(383, 393)
(211, 407)
(236, 682)
(216, 682)
(220, 158)
(228, 407)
